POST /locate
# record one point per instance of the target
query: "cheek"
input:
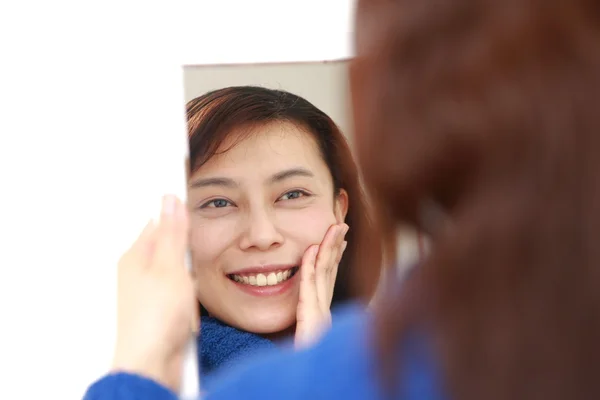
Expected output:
(308, 226)
(209, 239)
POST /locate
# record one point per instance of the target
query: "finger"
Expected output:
(308, 311)
(172, 235)
(328, 297)
(326, 262)
(336, 253)
(326, 282)
(327, 248)
(140, 249)
(341, 252)
(308, 290)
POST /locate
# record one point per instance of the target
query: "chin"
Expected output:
(269, 323)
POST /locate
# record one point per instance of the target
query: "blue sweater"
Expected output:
(341, 366)
(220, 346)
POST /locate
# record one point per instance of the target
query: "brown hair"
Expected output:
(213, 116)
(489, 110)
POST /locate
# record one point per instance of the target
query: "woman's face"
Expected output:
(255, 209)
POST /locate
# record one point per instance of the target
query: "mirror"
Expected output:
(260, 193)
(270, 152)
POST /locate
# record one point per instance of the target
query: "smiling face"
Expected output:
(255, 209)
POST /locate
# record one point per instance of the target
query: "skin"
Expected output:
(273, 204)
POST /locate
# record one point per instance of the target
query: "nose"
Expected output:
(260, 232)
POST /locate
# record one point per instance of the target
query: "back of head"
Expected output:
(489, 110)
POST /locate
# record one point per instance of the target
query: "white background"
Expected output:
(91, 136)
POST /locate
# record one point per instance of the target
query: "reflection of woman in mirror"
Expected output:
(273, 190)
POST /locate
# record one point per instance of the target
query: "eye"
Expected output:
(216, 203)
(293, 194)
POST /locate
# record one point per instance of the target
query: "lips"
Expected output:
(270, 280)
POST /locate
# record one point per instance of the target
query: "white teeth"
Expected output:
(271, 279)
(261, 280)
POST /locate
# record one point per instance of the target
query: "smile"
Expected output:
(267, 279)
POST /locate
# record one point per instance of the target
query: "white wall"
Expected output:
(325, 84)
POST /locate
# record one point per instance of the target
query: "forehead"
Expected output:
(266, 148)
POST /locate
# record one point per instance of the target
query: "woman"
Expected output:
(487, 112)
(270, 176)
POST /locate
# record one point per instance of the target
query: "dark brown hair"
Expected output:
(489, 110)
(213, 116)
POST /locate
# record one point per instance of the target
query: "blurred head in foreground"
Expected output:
(479, 121)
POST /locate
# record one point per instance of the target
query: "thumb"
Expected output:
(138, 255)
(172, 235)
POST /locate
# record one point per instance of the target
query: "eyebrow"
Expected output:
(230, 183)
(290, 173)
(226, 182)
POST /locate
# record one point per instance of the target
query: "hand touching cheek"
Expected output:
(318, 273)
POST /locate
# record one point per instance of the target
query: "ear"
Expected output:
(340, 207)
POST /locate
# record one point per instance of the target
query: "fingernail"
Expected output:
(345, 229)
(169, 205)
(344, 244)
